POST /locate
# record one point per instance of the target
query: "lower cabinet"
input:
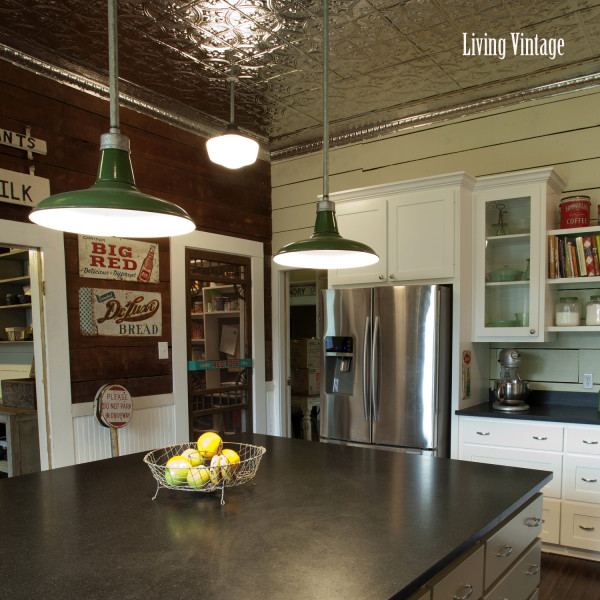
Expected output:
(505, 564)
(571, 511)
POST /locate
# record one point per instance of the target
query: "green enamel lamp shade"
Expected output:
(326, 248)
(113, 206)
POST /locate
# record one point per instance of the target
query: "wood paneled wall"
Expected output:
(167, 162)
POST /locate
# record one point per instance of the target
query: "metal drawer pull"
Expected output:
(589, 479)
(483, 433)
(533, 570)
(533, 522)
(592, 442)
(469, 590)
(540, 437)
(507, 551)
(587, 528)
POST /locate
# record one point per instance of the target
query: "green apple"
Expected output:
(176, 470)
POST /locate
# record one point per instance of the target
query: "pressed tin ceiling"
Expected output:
(392, 63)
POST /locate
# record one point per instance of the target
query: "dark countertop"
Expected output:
(321, 522)
(557, 413)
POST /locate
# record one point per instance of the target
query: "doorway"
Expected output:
(304, 290)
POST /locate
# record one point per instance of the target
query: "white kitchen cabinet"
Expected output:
(411, 225)
(512, 213)
(571, 511)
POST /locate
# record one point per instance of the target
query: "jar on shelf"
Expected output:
(592, 311)
(567, 312)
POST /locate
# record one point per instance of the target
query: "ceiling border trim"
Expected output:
(438, 116)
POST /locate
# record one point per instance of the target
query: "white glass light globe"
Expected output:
(232, 151)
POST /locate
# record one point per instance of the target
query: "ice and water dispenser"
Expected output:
(339, 365)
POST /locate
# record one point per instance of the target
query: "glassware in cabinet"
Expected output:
(511, 216)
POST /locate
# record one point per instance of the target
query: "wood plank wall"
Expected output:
(167, 162)
(562, 132)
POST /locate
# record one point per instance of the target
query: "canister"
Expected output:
(574, 212)
(567, 312)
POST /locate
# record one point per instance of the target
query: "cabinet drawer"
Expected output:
(551, 521)
(581, 477)
(462, 579)
(580, 526)
(505, 546)
(522, 580)
(585, 440)
(499, 432)
(514, 457)
(422, 594)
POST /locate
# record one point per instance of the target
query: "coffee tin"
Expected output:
(575, 212)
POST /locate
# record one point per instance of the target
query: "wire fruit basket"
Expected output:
(204, 477)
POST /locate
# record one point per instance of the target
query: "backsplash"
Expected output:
(556, 366)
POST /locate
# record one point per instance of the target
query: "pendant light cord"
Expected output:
(231, 98)
(113, 66)
(325, 88)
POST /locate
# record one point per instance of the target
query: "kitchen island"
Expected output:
(319, 521)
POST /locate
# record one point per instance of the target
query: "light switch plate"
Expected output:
(163, 350)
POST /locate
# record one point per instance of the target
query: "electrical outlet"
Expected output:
(588, 381)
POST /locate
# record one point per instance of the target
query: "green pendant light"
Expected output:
(113, 206)
(326, 248)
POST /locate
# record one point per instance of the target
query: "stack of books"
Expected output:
(573, 257)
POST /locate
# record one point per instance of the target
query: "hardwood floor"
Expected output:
(567, 578)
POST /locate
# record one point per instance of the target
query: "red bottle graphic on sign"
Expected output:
(147, 266)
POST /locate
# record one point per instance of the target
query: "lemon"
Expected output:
(233, 458)
(192, 456)
(209, 444)
(198, 477)
(176, 470)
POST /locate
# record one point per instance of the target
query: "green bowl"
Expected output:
(503, 324)
(506, 274)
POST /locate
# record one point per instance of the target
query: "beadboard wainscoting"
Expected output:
(557, 365)
(152, 426)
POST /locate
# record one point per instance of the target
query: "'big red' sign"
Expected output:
(117, 258)
(113, 406)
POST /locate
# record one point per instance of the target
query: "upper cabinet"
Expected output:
(15, 296)
(411, 226)
(511, 216)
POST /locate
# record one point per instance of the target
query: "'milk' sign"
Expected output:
(25, 190)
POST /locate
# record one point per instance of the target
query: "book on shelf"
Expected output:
(595, 255)
(551, 262)
(573, 257)
(588, 251)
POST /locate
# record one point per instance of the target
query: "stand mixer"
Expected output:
(510, 390)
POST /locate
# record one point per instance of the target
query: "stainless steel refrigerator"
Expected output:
(386, 358)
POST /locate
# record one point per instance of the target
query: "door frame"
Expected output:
(211, 242)
(50, 340)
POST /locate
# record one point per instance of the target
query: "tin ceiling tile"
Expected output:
(388, 58)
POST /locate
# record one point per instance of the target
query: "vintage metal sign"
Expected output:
(23, 141)
(113, 406)
(117, 258)
(25, 190)
(123, 313)
(207, 365)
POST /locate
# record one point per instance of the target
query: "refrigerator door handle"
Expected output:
(366, 395)
(375, 370)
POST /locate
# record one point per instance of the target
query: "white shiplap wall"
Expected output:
(562, 132)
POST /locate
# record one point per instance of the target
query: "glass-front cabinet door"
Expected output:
(219, 342)
(511, 217)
